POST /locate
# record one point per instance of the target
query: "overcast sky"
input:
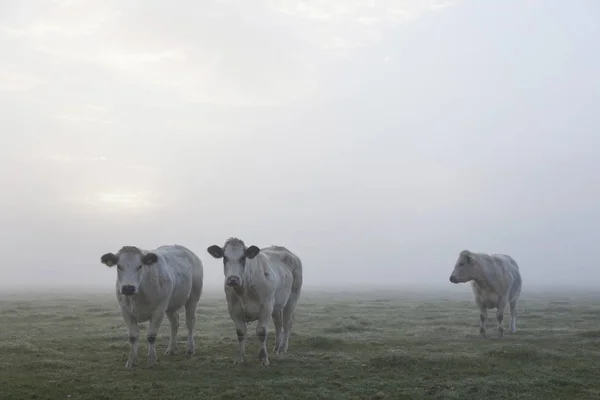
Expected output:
(375, 139)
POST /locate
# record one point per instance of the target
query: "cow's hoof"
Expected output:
(283, 347)
(190, 352)
(170, 351)
(130, 364)
(239, 359)
(279, 353)
(264, 362)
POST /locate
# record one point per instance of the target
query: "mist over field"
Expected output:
(376, 141)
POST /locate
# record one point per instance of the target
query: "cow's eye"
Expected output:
(225, 260)
(460, 264)
(119, 268)
(139, 267)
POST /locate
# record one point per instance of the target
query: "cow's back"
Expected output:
(283, 255)
(287, 265)
(179, 258)
(286, 258)
(184, 268)
(506, 260)
(503, 271)
(512, 269)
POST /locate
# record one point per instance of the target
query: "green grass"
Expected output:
(344, 346)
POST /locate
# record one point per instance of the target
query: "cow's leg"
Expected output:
(238, 316)
(174, 321)
(266, 310)
(190, 323)
(134, 337)
(482, 320)
(288, 319)
(153, 326)
(513, 316)
(241, 330)
(278, 322)
(500, 315)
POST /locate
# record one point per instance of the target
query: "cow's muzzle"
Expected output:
(128, 290)
(453, 279)
(233, 281)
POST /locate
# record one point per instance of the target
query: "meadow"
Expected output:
(384, 345)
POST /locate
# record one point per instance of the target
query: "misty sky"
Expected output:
(375, 139)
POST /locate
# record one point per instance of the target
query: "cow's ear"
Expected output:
(109, 259)
(149, 258)
(252, 252)
(466, 256)
(215, 251)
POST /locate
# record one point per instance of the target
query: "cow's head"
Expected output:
(464, 268)
(131, 265)
(234, 254)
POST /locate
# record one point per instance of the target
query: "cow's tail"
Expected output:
(294, 264)
(297, 276)
(292, 301)
(513, 262)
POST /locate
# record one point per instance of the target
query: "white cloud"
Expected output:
(84, 114)
(115, 201)
(50, 20)
(350, 24)
(231, 53)
(14, 81)
(66, 158)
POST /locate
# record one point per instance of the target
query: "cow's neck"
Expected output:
(251, 275)
(483, 280)
(251, 272)
(147, 286)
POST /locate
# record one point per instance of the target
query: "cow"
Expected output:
(495, 280)
(260, 284)
(151, 284)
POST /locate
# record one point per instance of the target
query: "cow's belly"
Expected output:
(179, 297)
(141, 314)
(281, 297)
(251, 310)
(488, 300)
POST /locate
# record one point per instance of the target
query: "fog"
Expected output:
(375, 139)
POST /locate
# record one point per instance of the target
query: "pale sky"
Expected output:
(375, 139)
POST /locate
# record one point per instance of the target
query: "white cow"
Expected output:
(151, 284)
(496, 281)
(260, 284)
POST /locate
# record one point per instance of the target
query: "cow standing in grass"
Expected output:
(151, 284)
(260, 284)
(496, 281)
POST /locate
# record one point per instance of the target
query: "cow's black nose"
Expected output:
(128, 289)
(453, 279)
(233, 281)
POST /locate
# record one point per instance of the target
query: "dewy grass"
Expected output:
(361, 346)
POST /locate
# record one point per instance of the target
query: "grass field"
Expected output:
(344, 346)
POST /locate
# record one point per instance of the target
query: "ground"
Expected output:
(344, 346)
